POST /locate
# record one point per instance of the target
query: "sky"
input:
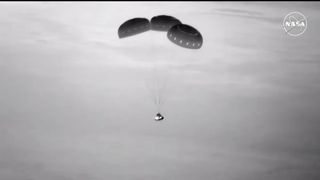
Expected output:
(74, 104)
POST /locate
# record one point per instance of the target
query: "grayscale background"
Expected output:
(73, 104)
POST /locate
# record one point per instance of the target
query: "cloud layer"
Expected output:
(74, 102)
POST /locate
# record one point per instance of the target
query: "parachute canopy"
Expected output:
(163, 22)
(133, 26)
(180, 34)
(185, 36)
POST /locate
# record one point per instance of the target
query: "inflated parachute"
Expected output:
(163, 22)
(133, 26)
(185, 36)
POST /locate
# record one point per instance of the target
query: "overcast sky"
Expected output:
(74, 103)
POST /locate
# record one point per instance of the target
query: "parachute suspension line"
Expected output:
(153, 82)
(157, 93)
(160, 86)
(162, 82)
(164, 79)
(161, 94)
(155, 86)
(151, 92)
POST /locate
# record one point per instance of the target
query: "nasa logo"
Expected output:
(295, 23)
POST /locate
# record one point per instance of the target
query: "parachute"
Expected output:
(185, 36)
(133, 26)
(163, 22)
(178, 33)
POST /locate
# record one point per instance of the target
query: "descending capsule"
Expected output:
(185, 36)
(133, 26)
(163, 22)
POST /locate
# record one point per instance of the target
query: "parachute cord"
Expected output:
(157, 92)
